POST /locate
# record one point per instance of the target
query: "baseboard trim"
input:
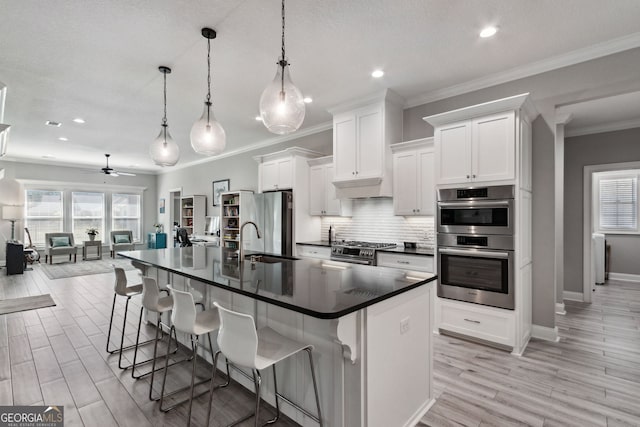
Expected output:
(545, 333)
(624, 277)
(573, 296)
(560, 309)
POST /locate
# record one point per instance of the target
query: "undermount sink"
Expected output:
(268, 259)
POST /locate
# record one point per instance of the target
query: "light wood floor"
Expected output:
(591, 377)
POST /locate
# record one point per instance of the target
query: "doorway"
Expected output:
(174, 211)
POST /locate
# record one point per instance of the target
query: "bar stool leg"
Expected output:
(194, 344)
(275, 390)
(214, 367)
(257, 379)
(113, 307)
(166, 365)
(124, 325)
(155, 348)
(315, 384)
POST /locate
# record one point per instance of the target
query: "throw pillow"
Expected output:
(121, 238)
(61, 241)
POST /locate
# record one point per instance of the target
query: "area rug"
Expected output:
(26, 303)
(84, 268)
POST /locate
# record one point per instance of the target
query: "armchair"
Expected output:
(59, 244)
(121, 240)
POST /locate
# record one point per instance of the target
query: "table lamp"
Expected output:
(13, 214)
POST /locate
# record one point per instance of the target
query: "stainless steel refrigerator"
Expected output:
(275, 220)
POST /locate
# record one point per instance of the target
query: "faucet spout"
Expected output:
(241, 254)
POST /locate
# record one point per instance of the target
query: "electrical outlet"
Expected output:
(404, 325)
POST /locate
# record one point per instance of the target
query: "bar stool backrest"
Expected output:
(237, 337)
(150, 293)
(183, 316)
(120, 285)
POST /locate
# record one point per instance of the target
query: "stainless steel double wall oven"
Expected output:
(476, 245)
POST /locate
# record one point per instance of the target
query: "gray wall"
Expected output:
(598, 149)
(12, 192)
(241, 170)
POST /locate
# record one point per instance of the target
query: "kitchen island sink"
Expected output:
(370, 327)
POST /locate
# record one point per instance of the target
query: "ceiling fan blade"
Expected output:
(125, 173)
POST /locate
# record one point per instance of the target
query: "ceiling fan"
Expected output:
(109, 171)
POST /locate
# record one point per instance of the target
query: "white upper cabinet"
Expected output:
(413, 177)
(277, 175)
(323, 200)
(480, 144)
(362, 133)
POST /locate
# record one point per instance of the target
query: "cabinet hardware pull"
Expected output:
(403, 262)
(474, 175)
(472, 321)
(468, 176)
(417, 210)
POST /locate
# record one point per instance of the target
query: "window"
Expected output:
(125, 211)
(44, 213)
(87, 211)
(618, 202)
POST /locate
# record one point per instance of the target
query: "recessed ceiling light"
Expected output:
(377, 74)
(48, 156)
(488, 32)
(52, 123)
(258, 118)
(78, 120)
(308, 100)
(63, 138)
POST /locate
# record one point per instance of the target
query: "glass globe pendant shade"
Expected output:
(207, 135)
(282, 105)
(164, 151)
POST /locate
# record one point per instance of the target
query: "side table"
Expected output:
(92, 243)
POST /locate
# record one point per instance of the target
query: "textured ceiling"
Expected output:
(98, 60)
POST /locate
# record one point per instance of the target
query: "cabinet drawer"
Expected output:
(407, 262)
(322, 252)
(476, 321)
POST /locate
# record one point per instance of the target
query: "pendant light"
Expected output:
(164, 151)
(282, 104)
(207, 135)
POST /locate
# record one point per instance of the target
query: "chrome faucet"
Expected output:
(241, 256)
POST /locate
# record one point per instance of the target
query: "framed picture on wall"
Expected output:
(161, 204)
(219, 187)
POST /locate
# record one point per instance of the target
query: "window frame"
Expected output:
(28, 217)
(139, 217)
(611, 175)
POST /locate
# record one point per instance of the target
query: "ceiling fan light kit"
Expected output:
(282, 106)
(207, 134)
(164, 151)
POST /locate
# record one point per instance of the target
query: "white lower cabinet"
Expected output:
(312, 251)
(487, 323)
(405, 261)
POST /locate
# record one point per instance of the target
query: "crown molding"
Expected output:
(248, 148)
(515, 102)
(608, 127)
(599, 50)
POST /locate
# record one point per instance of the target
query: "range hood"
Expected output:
(4, 128)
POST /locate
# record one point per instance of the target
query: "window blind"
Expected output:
(619, 204)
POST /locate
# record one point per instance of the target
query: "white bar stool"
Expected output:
(121, 288)
(243, 345)
(185, 319)
(152, 302)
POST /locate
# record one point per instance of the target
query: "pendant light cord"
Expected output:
(283, 61)
(208, 78)
(164, 119)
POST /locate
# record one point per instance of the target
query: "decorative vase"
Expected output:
(92, 237)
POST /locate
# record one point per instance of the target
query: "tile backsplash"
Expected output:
(373, 221)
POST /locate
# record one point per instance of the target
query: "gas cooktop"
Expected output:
(367, 245)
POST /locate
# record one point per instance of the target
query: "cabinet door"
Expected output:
(285, 174)
(426, 182)
(453, 153)
(269, 175)
(405, 180)
(344, 146)
(493, 147)
(370, 141)
(333, 205)
(317, 190)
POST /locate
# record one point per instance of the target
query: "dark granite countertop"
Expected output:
(398, 249)
(315, 287)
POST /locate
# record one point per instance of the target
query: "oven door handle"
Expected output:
(351, 260)
(475, 253)
(474, 203)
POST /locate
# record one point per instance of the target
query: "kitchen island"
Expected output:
(370, 327)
